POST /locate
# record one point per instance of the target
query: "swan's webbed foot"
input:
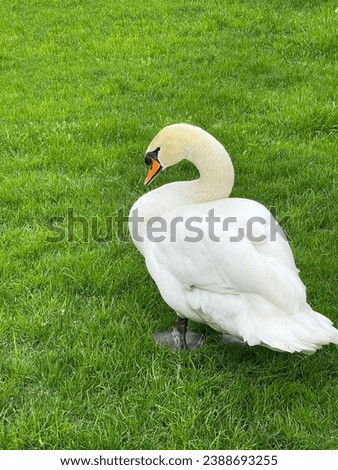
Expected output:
(179, 337)
(229, 339)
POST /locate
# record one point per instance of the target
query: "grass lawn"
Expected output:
(84, 87)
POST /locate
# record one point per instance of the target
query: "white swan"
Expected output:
(219, 260)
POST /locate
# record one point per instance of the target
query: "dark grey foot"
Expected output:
(172, 338)
(229, 339)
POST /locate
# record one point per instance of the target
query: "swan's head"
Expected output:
(186, 142)
(170, 146)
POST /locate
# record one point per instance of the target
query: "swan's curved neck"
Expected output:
(216, 171)
(215, 182)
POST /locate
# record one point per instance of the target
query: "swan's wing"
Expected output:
(259, 226)
(230, 265)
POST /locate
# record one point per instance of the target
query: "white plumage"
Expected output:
(241, 283)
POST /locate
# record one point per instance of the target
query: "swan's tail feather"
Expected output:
(259, 322)
(305, 332)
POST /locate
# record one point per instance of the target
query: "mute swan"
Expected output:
(219, 260)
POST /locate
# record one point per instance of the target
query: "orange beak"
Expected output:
(154, 170)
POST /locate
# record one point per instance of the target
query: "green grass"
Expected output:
(84, 87)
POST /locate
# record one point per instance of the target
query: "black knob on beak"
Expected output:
(147, 159)
(151, 156)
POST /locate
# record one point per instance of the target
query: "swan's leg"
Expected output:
(229, 339)
(179, 337)
(181, 328)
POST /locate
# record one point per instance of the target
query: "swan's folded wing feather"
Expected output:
(228, 266)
